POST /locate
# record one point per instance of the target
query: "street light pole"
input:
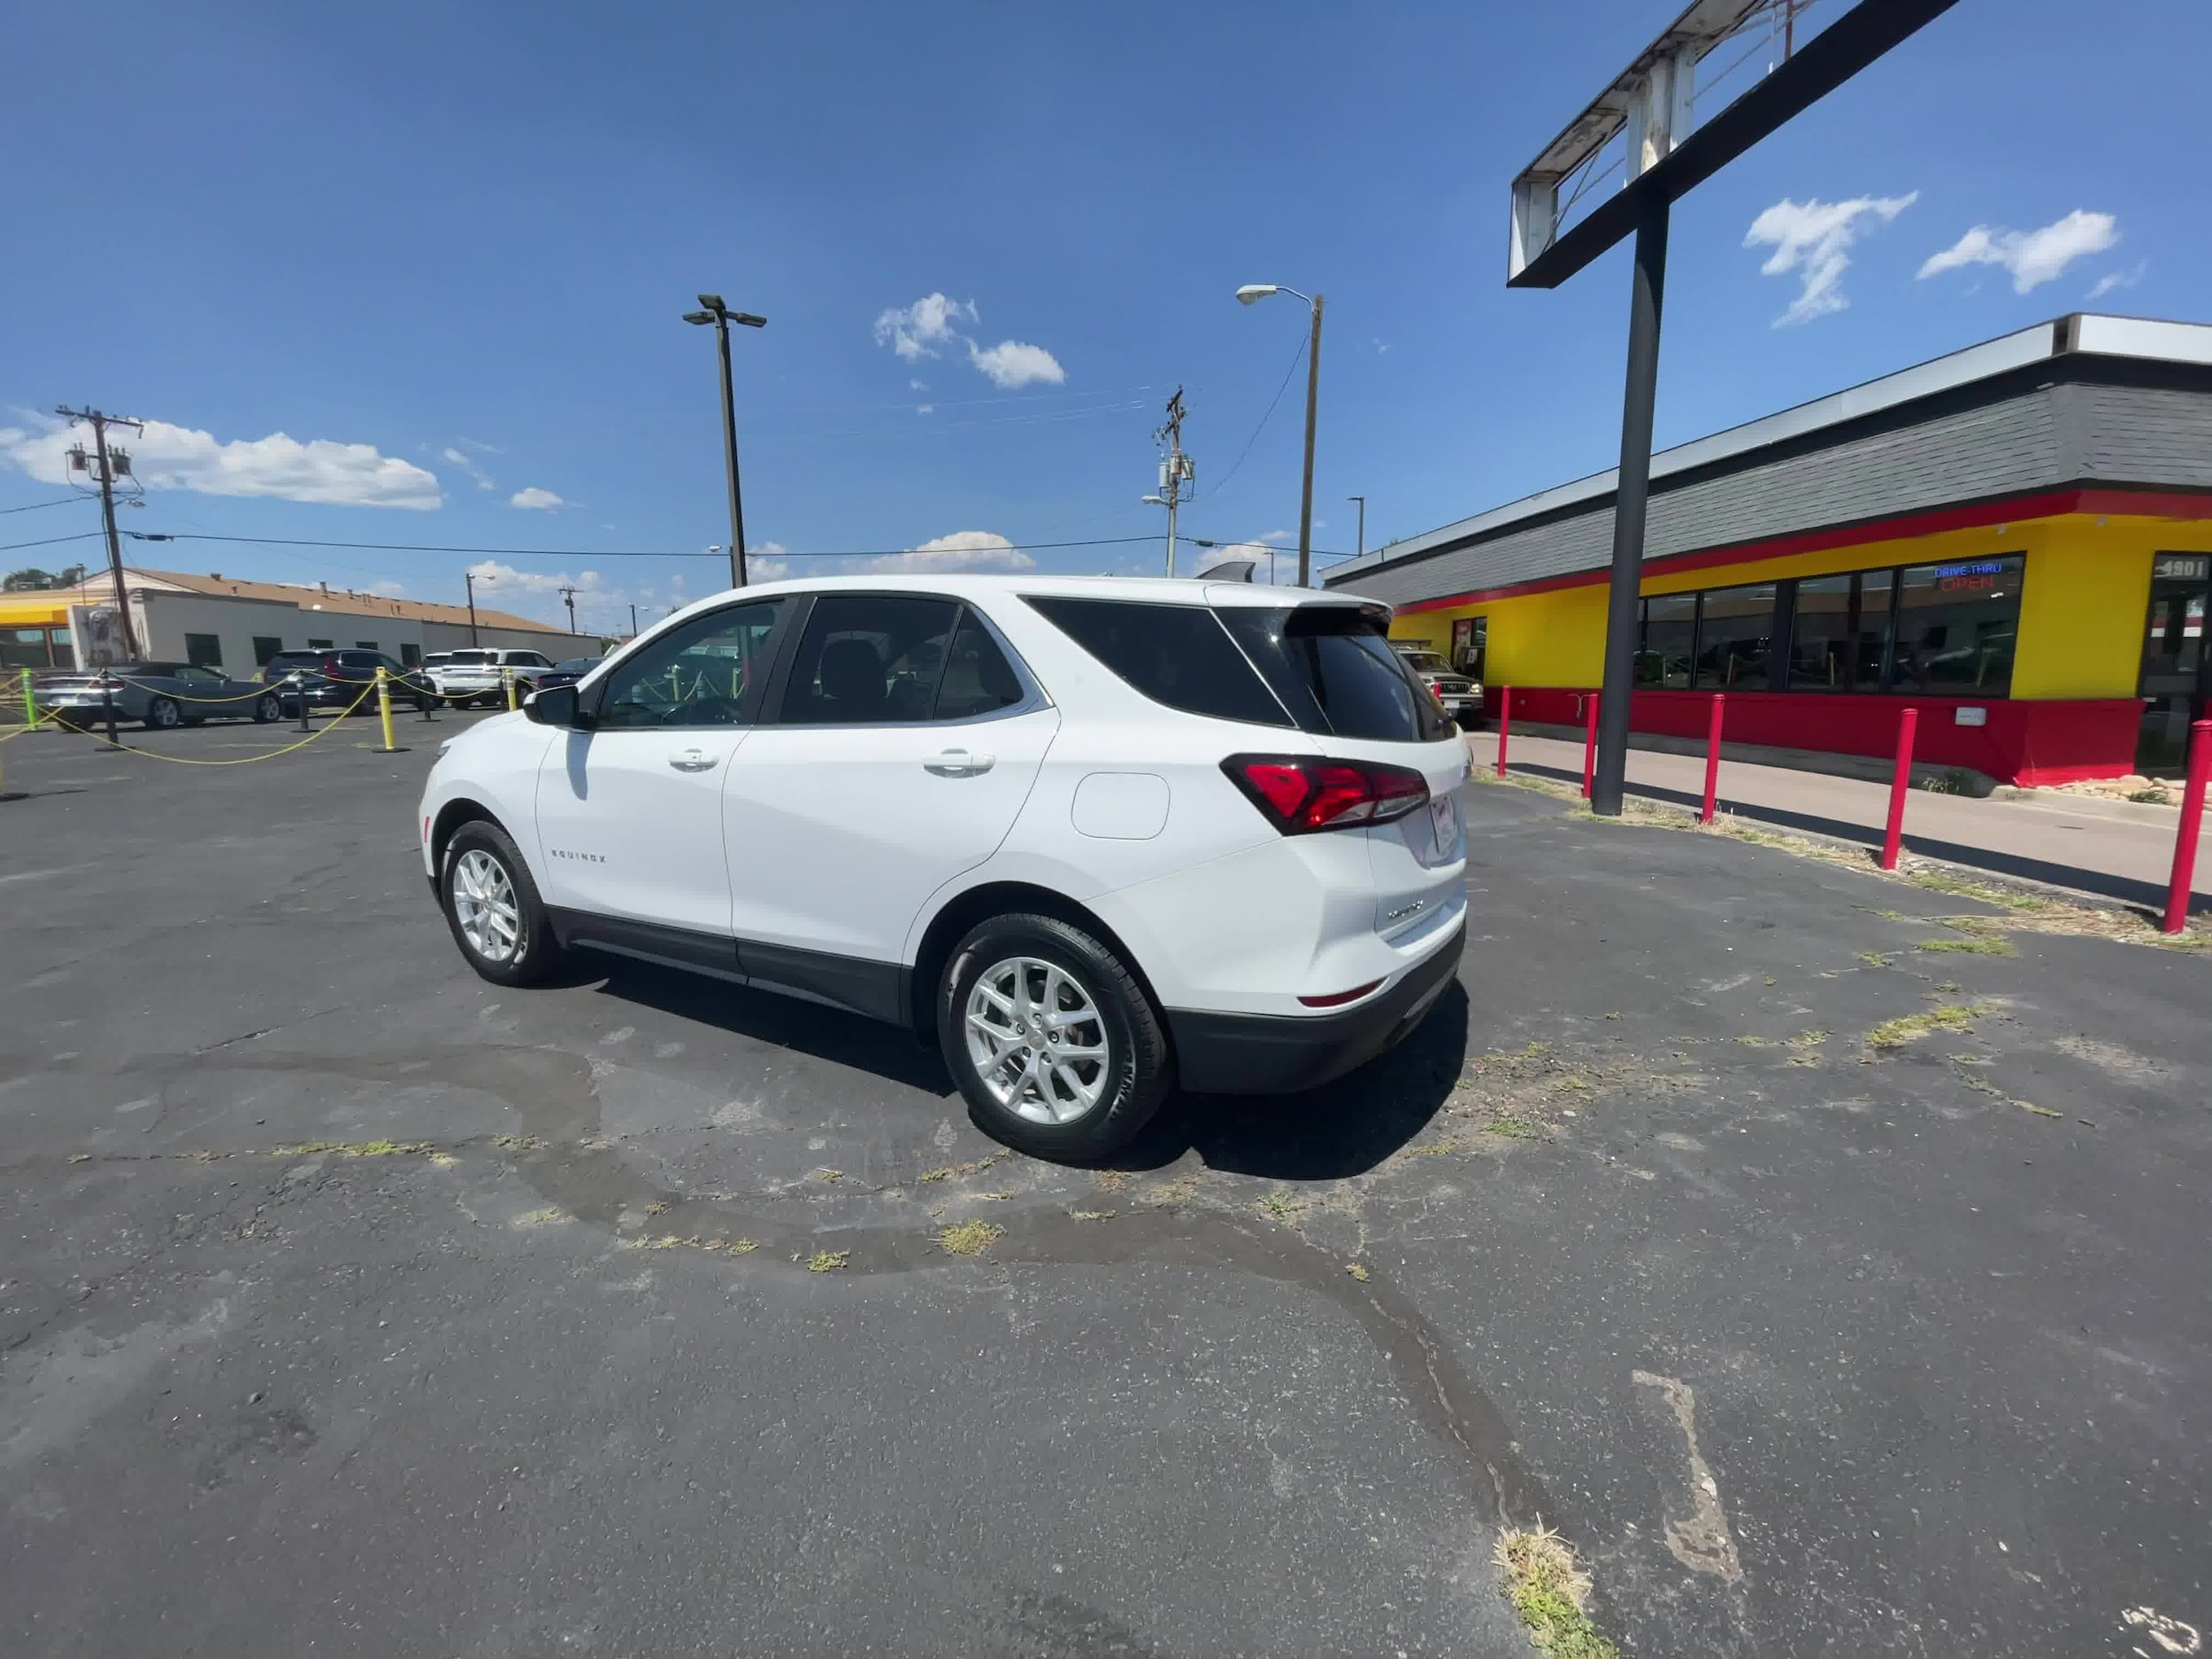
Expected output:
(721, 316)
(470, 578)
(1251, 294)
(1363, 525)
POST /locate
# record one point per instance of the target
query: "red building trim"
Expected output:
(2153, 503)
(2024, 743)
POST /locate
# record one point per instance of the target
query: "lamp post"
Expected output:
(1363, 525)
(1252, 293)
(721, 316)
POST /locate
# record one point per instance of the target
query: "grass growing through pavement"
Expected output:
(970, 1238)
(1550, 1590)
(1894, 1033)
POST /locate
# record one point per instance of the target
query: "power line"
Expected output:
(1294, 358)
(59, 501)
(81, 535)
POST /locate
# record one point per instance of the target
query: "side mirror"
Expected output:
(556, 705)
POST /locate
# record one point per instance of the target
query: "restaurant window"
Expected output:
(1839, 632)
(1669, 638)
(1957, 625)
(24, 648)
(1735, 639)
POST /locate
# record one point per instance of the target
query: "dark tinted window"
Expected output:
(1839, 632)
(869, 659)
(1333, 668)
(1735, 639)
(699, 675)
(978, 679)
(1956, 626)
(1177, 655)
(1669, 634)
(576, 666)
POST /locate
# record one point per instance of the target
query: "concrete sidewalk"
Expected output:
(2116, 850)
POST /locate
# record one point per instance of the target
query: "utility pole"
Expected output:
(1176, 470)
(470, 578)
(633, 622)
(112, 465)
(721, 316)
(1362, 523)
(568, 597)
(1305, 500)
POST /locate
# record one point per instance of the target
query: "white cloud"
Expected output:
(2032, 256)
(389, 589)
(181, 458)
(924, 409)
(505, 579)
(1279, 536)
(2114, 279)
(1381, 346)
(962, 550)
(481, 448)
(923, 328)
(467, 463)
(1813, 240)
(543, 500)
(1013, 363)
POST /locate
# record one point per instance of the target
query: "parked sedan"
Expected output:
(330, 678)
(159, 694)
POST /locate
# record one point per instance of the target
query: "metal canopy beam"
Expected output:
(1823, 63)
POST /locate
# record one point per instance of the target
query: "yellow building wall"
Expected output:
(2085, 593)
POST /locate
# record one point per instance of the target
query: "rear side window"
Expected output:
(869, 659)
(1335, 670)
(978, 679)
(1177, 655)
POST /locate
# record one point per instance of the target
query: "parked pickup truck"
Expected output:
(1460, 696)
(476, 674)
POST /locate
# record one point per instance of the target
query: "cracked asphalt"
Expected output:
(352, 1305)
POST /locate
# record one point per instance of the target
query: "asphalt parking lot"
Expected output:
(352, 1305)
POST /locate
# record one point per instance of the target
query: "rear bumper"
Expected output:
(1275, 1053)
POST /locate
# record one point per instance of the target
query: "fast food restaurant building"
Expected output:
(2015, 539)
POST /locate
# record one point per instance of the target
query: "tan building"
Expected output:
(222, 621)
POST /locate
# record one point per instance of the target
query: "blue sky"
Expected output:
(469, 232)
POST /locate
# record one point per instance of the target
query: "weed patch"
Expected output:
(1546, 1586)
(828, 1260)
(1895, 1034)
(970, 1238)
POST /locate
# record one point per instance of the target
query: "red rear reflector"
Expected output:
(1339, 998)
(1299, 795)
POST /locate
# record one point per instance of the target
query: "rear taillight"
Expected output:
(1300, 795)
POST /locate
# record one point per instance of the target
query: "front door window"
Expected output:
(2177, 659)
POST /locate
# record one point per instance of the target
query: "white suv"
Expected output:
(480, 674)
(1095, 836)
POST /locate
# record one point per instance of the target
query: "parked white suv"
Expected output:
(1095, 836)
(479, 673)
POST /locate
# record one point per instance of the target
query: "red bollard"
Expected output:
(1590, 748)
(1900, 781)
(1505, 719)
(1712, 762)
(2191, 827)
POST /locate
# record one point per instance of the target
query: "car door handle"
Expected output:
(958, 763)
(692, 760)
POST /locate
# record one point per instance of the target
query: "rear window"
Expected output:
(283, 660)
(472, 658)
(1335, 670)
(1177, 655)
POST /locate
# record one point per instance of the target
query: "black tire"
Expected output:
(1139, 1068)
(536, 951)
(267, 708)
(163, 715)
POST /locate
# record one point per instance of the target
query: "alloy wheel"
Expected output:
(1036, 1040)
(484, 905)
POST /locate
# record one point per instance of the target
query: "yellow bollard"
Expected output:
(384, 709)
(508, 675)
